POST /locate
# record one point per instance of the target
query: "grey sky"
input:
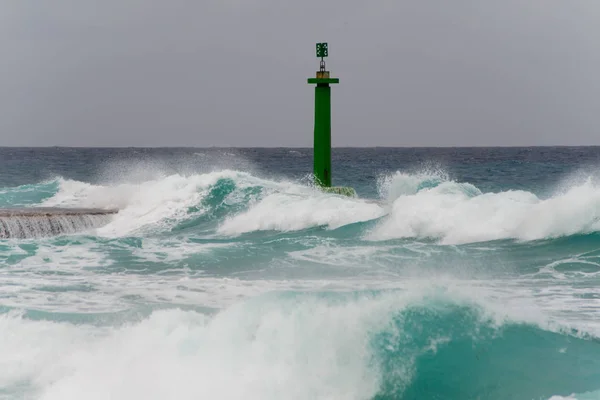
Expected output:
(233, 72)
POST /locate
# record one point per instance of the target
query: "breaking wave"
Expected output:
(362, 345)
(227, 285)
(456, 213)
(231, 203)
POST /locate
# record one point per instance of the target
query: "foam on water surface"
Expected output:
(311, 346)
(207, 282)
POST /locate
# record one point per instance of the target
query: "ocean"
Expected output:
(457, 273)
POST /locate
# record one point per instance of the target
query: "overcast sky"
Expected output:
(233, 72)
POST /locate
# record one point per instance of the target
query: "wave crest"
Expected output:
(457, 213)
(232, 203)
(354, 346)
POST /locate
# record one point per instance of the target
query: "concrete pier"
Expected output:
(34, 222)
(49, 211)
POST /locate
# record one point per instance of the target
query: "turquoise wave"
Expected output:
(217, 205)
(456, 355)
(428, 349)
(432, 347)
(374, 343)
(236, 193)
(26, 195)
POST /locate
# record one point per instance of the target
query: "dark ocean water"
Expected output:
(466, 273)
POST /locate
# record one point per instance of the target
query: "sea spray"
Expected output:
(228, 284)
(456, 213)
(358, 346)
(421, 206)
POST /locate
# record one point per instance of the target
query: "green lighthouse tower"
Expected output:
(322, 129)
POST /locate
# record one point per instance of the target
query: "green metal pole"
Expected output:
(322, 138)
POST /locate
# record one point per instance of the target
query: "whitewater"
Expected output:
(226, 274)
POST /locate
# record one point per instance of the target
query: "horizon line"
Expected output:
(297, 147)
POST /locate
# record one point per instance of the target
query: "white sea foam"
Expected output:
(285, 211)
(392, 186)
(161, 202)
(309, 348)
(458, 213)
(152, 204)
(344, 256)
(421, 206)
(581, 396)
